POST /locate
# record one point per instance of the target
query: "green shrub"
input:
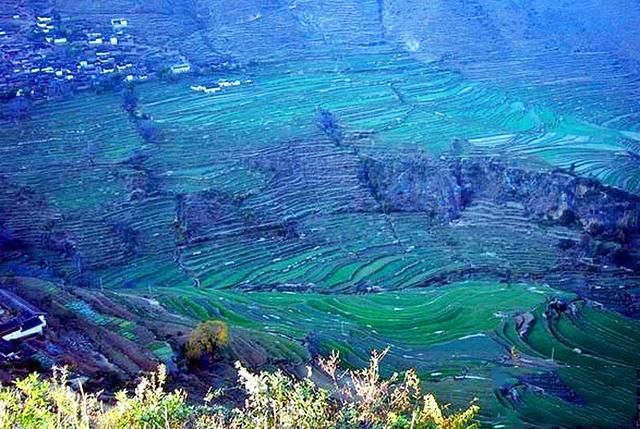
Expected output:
(362, 399)
(369, 400)
(150, 407)
(359, 399)
(47, 404)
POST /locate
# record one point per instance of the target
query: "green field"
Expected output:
(76, 157)
(459, 338)
(245, 211)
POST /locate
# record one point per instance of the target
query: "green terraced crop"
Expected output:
(464, 328)
(79, 156)
(122, 327)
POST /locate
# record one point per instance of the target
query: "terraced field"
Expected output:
(462, 338)
(280, 170)
(255, 205)
(398, 102)
(93, 334)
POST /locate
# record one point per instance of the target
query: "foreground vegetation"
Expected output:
(358, 399)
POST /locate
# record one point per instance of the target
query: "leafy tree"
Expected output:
(148, 130)
(205, 340)
(18, 108)
(129, 99)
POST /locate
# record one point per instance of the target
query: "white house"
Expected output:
(32, 326)
(181, 68)
(119, 23)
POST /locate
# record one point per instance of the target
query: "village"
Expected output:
(43, 55)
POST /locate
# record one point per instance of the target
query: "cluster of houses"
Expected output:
(45, 55)
(21, 321)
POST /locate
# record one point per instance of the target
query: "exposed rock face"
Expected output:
(445, 187)
(211, 214)
(200, 215)
(608, 218)
(548, 383)
(414, 185)
(555, 197)
(524, 322)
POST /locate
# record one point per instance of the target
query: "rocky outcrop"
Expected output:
(546, 383)
(414, 185)
(608, 218)
(554, 196)
(524, 323)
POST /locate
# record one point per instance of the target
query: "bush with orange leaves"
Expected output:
(205, 340)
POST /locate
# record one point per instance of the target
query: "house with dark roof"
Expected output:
(9, 327)
(31, 326)
(7, 350)
(119, 23)
(27, 322)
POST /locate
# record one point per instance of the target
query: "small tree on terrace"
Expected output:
(206, 339)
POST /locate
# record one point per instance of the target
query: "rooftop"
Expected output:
(7, 349)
